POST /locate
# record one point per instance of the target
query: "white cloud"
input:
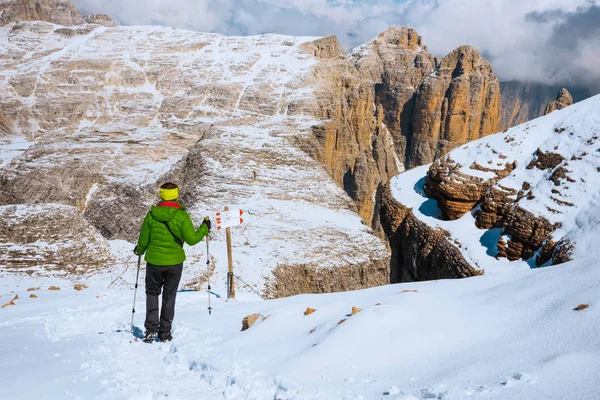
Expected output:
(517, 36)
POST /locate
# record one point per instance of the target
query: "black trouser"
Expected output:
(165, 279)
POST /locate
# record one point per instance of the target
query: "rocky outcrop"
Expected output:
(292, 280)
(5, 126)
(53, 235)
(391, 104)
(60, 12)
(563, 100)
(457, 193)
(458, 102)
(99, 19)
(419, 252)
(524, 101)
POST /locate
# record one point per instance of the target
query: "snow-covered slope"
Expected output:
(105, 114)
(532, 189)
(506, 336)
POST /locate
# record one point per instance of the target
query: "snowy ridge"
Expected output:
(571, 201)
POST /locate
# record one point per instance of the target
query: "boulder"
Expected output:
(309, 311)
(9, 304)
(249, 320)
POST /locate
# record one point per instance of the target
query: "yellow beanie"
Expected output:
(169, 194)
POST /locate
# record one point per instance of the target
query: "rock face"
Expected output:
(391, 104)
(55, 236)
(5, 125)
(563, 100)
(291, 280)
(419, 252)
(60, 12)
(457, 103)
(522, 101)
(457, 193)
(525, 195)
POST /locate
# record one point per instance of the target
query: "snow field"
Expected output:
(511, 336)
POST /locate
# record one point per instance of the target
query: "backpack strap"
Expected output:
(177, 240)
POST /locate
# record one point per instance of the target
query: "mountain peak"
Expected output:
(60, 12)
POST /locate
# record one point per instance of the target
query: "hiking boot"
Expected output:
(165, 337)
(150, 336)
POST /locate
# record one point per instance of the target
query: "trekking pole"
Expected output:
(208, 270)
(135, 291)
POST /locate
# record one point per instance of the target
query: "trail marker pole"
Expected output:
(207, 268)
(226, 219)
(231, 287)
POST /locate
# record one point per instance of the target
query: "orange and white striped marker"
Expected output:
(227, 219)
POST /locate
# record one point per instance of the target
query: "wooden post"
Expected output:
(231, 288)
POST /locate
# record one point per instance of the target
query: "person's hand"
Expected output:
(136, 252)
(207, 223)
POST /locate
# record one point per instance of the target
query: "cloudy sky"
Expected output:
(549, 41)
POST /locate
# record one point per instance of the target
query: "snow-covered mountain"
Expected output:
(529, 195)
(289, 129)
(101, 115)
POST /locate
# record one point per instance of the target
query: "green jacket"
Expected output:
(157, 242)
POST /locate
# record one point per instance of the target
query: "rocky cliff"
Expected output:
(60, 12)
(391, 105)
(524, 101)
(519, 199)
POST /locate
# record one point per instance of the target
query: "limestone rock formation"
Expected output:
(99, 19)
(456, 103)
(563, 99)
(60, 12)
(524, 101)
(419, 252)
(526, 195)
(387, 108)
(458, 192)
(55, 236)
(5, 125)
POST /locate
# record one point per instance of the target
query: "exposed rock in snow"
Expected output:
(49, 238)
(60, 12)
(563, 99)
(419, 252)
(535, 199)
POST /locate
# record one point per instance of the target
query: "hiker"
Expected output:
(166, 226)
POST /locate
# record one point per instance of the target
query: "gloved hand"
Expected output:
(207, 223)
(137, 252)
